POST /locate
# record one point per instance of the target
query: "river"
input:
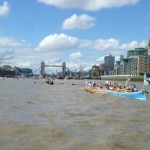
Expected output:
(36, 116)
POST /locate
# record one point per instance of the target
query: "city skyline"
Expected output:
(76, 32)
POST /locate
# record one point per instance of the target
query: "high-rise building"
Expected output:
(110, 61)
(137, 52)
(121, 66)
(137, 61)
(148, 64)
(142, 65)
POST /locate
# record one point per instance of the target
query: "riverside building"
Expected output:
(110, 61)
(136, 63)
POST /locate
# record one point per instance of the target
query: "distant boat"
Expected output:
(49, 82)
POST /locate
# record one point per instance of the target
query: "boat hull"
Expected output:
(136, 95)
(95, 90)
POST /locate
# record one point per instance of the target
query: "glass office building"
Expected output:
(110, 61)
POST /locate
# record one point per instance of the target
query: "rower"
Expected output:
(134, 88)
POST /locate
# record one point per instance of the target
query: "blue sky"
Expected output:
(79, 32)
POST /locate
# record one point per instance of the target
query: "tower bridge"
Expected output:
(43, 65)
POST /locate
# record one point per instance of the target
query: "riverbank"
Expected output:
(123, 78)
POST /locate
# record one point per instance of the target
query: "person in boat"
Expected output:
(128, 89)
(90, 84)
(94, 84)
(134, 88)
(99, 86)
(52, 82)
(120, 85)
(107, 85)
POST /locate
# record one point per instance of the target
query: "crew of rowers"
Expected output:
(93, 84)
(119, 87)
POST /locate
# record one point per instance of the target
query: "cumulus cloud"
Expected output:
(8, 48)
(55, 60)
(79, 22)
(90, 5)
(101, 44)
(15, 52)
(78, 65)
(133, 44)
(11, 42)
(66, 42)
(100, 59)
(4, 9)
(76, 55)
(6, 54)
(117, 58)
(57, 42)
(23, 64)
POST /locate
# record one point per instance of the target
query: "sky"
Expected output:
(78, 32)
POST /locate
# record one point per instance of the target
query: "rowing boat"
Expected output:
(137, 95)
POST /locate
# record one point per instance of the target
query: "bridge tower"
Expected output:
(64, 69)
(42, 72)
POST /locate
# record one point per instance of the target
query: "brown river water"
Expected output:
(36, 116)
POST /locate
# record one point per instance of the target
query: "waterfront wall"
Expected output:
(123, 78)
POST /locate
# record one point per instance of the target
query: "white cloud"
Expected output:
(10, 42)
(6, 54)
(144, 43)
(57, 42)
(100, 59)
(15, 52)
(4, 9)
(79, 22)
(133, 44)
(117, 58)
(23, 64)
(76, 55)
(104, 44)
(56, 60)
(91, 5)
(66, 42)
(77, 65)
